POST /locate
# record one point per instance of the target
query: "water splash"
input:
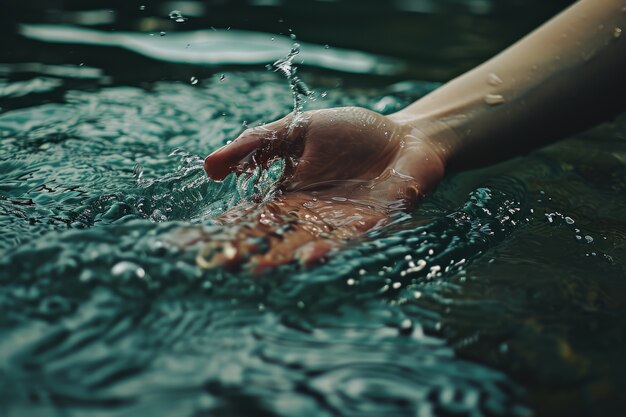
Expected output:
(286, 67)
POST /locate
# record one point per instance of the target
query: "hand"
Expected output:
(346, 170)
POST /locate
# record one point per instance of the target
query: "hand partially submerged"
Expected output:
(347, 169)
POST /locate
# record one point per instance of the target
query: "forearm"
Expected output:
(566, 76)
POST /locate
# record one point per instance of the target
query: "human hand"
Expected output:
(346, 171)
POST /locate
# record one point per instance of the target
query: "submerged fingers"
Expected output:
(256, 147)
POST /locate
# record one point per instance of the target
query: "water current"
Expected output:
(503, 294)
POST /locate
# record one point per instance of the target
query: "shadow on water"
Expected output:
(501, 295)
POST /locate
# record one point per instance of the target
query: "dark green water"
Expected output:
(503, 294)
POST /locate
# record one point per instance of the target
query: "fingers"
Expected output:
(255, 147)
(258, 252)
(266, 239)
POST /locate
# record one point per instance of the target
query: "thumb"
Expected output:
(259, 146)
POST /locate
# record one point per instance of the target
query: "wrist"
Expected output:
(432, 134)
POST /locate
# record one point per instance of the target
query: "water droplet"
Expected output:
(293, 36)
(326, 46)
(177, 16)
(162, 33)
(128, 270)
(493, 79)
(194, 81)
(142, 7)
(406, 326)
(324, 94)
(273, 39)
(417, 295)
(617, 32)
(589, 239)
(351, 281)
(222, 77)
(493, 99)
(569, 220)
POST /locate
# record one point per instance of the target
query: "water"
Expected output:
(502, 294)
(288, 69)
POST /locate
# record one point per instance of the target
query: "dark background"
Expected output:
(438, 38)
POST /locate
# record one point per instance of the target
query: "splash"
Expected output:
(299, 89)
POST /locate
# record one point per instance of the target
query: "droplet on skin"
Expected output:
(193, 81)
(142, 7)
(493, 79)
(494, 99)
(162, 33)
(617, 32)
(222, 77)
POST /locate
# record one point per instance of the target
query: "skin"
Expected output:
(349, 169)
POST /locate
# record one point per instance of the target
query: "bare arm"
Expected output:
(349, 169)
(564, 77)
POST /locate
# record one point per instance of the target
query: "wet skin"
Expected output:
(347, 170)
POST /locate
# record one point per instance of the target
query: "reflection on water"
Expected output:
(217, 47)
